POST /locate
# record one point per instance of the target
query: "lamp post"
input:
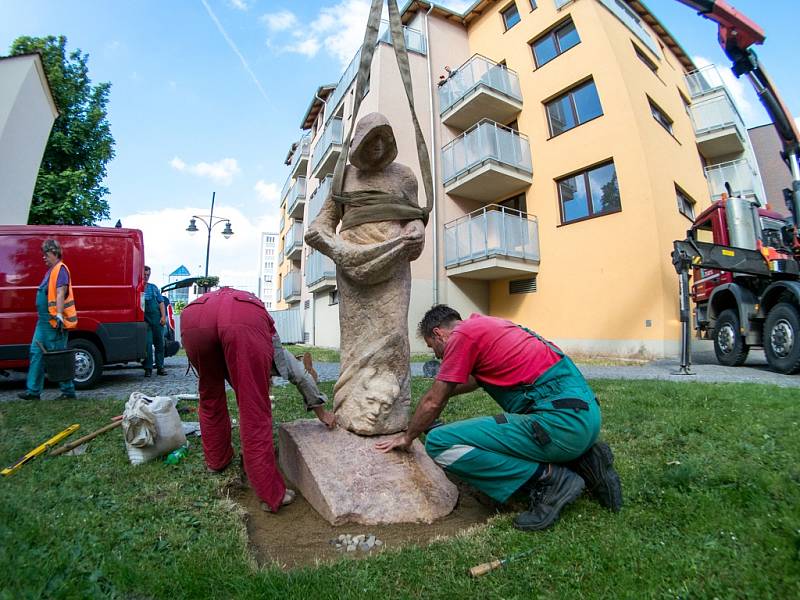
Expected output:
(210, 224)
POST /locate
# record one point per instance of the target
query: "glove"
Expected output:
(60, 320)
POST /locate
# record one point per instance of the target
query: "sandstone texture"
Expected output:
(347, 481)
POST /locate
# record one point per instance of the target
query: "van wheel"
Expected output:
(88, 363)
(782, 338)
(729, 344)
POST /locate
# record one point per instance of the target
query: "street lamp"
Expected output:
(210, 224)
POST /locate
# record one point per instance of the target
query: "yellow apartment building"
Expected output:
(571, 143)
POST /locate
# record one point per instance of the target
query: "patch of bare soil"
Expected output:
(297, 535)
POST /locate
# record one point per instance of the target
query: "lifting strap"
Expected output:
(386, 207)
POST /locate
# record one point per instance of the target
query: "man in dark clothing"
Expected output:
(156, 317)
(544, 442)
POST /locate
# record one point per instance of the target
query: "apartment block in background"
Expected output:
(267, 269)
(571, 143)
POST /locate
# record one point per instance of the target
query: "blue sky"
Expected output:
(207, 95)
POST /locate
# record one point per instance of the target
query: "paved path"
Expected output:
(120, 383)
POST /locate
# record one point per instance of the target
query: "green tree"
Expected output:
(69, 187)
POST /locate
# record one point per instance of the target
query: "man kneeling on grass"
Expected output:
(544, 443)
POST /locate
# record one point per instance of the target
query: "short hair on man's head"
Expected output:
(437, 316)
(146, 268)
(51, 246)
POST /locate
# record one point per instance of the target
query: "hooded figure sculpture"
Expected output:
(382, 231)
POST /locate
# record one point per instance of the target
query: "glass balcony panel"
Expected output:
(291, 285)
(738, 173)
(318, 197)
(294, 238)
(478, 71)
(486, 141)
(332, 135)
(705, 80)
(318, 268)
(296, 196)
(717, 113)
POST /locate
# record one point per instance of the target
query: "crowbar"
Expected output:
(39, 450)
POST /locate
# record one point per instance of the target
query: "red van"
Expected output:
(107, 268)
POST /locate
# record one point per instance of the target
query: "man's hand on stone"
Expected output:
(327, 417)
(398, 442)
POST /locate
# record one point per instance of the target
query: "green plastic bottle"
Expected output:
(174, 457)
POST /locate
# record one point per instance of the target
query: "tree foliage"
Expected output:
(69, 188)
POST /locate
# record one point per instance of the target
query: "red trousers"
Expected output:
(228, 335)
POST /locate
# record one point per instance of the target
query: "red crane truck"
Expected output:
(744, 258)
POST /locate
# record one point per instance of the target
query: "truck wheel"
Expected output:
(88, 363)
(729, 344)
(781, 338)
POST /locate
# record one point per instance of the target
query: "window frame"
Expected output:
(642, 56)
(552, 33)
(569, 93)
(655, 110)
(505, 10)
(680, 194)
(585, 173)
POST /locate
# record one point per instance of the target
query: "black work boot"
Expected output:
(595, 466)
(548, 496)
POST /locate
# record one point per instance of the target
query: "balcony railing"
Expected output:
(318, 198)
(319, 268)
(280, 257)
(703, 81)
(716, 113)
(415, 42)
(626, 15)
(331, 136)
(492, 231)
(296, 198)
(281, 223)
(486, 141)
(291, 285)
(287, 185)
(300, 155)
(476, 72)
(738, 173)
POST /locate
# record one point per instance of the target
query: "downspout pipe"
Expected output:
(434, 152)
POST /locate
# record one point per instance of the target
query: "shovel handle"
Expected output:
(485, 568)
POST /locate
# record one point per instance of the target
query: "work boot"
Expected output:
(309, 365)
(27, 396)
(67, 397)
(162, 371)
(549, 495)
(595, 466)
(148, 372)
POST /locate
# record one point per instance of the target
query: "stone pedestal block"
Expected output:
(347, 481)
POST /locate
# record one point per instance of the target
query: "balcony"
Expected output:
(293, 244)
(282, 222)
(320, 273)
(487, 162)
(718, 127)
(287, 185)
(327, 149)
(738, 173)
(318, 197)
(493, 242)
(281, 256)
(704, 81)
(299, 162)
(291, 287)
(479, 89)
(296, 199)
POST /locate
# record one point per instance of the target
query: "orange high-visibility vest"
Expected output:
(70, 314)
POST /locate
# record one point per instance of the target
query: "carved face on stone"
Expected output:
(373, 147)
(375, 402)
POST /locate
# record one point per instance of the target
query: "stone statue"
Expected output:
(382, 231)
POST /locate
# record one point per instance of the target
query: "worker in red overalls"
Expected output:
(228, 336)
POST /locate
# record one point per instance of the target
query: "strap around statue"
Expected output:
(362, 79)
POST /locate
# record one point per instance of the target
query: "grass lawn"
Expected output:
(710, 475)
(332, 355)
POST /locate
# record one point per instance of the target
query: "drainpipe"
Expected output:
(434, 150)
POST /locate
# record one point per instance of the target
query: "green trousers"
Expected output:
(497, 455)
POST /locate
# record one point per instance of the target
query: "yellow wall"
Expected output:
(601, 279)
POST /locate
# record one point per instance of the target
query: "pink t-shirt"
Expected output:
(494, 351)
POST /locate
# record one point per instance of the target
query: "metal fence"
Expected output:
(738, 173)
(319, 267)
(332, 135)
(289, 325)
(485, 141)
(491, 231)
(478, 71)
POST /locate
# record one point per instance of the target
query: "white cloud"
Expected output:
(242, 5)
(267, 192)
(339, 29)
(279, 21)
(222, 171)
(749, 111)
(167, 245)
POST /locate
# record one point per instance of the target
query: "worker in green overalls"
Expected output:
(544, 443)
(156, 317)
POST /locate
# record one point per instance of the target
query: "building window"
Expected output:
(660, 116)
(645, 59)
(533, 4)
(515, 203)
(554, 42)
(578, 105)
(685, 203)
(333, 298)
(510, 16)
(588, 194)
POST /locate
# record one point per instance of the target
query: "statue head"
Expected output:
(374, 400)
(373, 146)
